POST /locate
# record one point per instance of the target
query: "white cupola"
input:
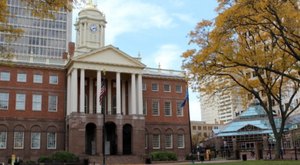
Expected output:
(90, 29)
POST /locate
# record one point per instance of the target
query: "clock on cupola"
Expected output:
(90, 29)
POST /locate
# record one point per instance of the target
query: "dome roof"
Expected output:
(91, 12)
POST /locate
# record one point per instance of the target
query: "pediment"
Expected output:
(109, 55)
(249, 127)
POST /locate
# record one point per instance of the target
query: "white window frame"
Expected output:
(167, 88)
(18, 140)
(53, 79)
(21, 77)
(153, 85)
(180, 141)
(168, 109)
(156, 139)
(38, 78)
(3, 140)
(35, 140)
(51, 143)
(179, 109)
(4, 76)
(154, 108)
(36, 102)
(178, 91)
(20, 101)
(52, 99)
(4, 101)
(169, 141)
(144, 86)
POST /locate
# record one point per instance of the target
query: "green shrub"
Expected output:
(30, 162)
(64, 156)
(60, 156)
(163, 156)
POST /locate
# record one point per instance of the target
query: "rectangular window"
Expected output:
(21, 77)
(194, 127)
(4, 100)
(18, 140)
(53, 79)
(155, 108)
(178, 89)
(169, 141)
(38, 78)
(156, 141)
(179, 109)
(180, 141)
(167, 108)
(4, 76)
(51, 140)
(145, 107)
(154, 87)
(167, 88)
(146, 141)
(36, 102)
(144, 87)
(35, 140)
(20, 101)
(3, 140)
(52, 105)
(199, 127)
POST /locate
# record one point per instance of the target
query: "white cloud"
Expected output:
(132, 16)
(168, 56)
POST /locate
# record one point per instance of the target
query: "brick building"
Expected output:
(52, 104)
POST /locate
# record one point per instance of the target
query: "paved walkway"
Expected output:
(196, 162)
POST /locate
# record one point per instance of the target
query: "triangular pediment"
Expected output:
(249, 127)
(109, 55)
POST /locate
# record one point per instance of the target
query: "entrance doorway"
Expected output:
(110, 139)
(90, 137)
(127, 134)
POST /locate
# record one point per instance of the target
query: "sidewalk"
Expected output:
(196, 162)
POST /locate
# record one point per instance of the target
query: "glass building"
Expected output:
(45, 37)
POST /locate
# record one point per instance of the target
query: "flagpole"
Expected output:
(103, 129)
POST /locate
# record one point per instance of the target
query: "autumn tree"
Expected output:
(255, 46)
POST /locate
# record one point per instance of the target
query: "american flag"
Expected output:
(102, 91)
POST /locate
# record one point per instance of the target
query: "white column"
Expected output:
(82, 90)
(98, 91)
(133, 94)
(129, 99)
(74, 90)
(102, 36)
(123, 97)
(118, 91)
(109, 96)
(91, 95)
(140, 95)
(69, 95)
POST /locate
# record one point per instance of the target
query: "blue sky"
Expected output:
(157, 29)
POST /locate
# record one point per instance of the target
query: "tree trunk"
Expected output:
(278, 152)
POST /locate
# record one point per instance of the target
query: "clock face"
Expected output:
(93, 28)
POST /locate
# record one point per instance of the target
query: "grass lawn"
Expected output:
(256, 162)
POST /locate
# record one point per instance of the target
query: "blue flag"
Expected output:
(186, 99)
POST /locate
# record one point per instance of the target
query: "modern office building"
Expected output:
(94, 99)
(42, 37)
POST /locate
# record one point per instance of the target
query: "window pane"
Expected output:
(154, 87)
(155, 108)
(3, 139)
(4, 100)
(22, 77)
(167, 108)
(178, 89)
(51, 140)
(180, 141)
(52, 106)
(36, 102)
(169, 141)
(35, 140)
(20, 101)
(53, 80)
(37, 78)
(4, 76)
(156, 141)
(18, 140)
(179, 109)
(167, 88)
